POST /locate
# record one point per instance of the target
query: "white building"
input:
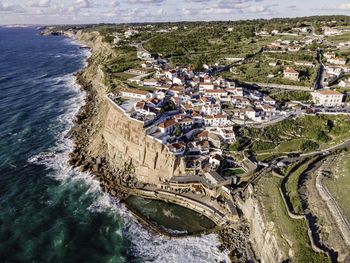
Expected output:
(167, 127)
(327, 98)
(206, 86)
(291, 74)
(216, 93)
(329, 31)
(337, 61)
(212, 109)
(345, 83)
(150, 82)
(136, 94)
(219, 120)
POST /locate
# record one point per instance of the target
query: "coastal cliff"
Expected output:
(262, 233)
(126, 141)
(116, 150)
(104, 134)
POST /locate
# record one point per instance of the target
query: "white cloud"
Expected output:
(11, 8)
(145, 1)
(341, 7)
(83, 4)
(40, 4)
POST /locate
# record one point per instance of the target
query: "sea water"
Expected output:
(50, 212)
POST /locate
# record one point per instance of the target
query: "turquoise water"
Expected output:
(48, 211)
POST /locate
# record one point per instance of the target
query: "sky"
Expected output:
(120, 11)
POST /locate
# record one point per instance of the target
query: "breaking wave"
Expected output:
(144, 245)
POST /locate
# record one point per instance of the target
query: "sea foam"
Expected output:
(144, 244)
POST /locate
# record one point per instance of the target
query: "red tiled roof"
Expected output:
(167, 123)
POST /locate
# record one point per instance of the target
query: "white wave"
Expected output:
(144, 244)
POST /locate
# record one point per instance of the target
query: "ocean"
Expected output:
(50, 212)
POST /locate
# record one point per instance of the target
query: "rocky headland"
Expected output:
(116, 152)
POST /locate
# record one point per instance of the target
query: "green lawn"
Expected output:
(339, 184)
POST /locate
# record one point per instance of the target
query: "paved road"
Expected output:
(321, 72)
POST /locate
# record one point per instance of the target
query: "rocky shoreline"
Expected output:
(119, 183)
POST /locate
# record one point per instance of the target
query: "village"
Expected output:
(193, 113)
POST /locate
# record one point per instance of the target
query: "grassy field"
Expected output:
(294, 230)
(292, 184)
(303, 134)
(339, 184)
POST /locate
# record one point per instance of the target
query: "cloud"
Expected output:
(230, 7)
(40, 4)
(82, 4)
(114, 3)
(145, 1)
(340, 7)
(11, 8)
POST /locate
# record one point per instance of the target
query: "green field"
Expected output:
(339, 184)
(293, 183)
(303, 134)
(294, 230)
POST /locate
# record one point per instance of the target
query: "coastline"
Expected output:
(235, 241)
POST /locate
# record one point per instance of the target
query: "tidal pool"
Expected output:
(168, 217)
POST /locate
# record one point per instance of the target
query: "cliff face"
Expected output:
(116, 137)
(126, 140)
(262, 234)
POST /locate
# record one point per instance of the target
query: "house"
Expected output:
(293, 48)
(205, 86)
(130, 33)
(170, 74)
(305, 64)
(197, 118)
(177, 90)
(235, 91)
(185, 123)
(329, 31)
(211, 109)
(269, 100)
(327, 98)
(150, 82)
(187, 107)
(218, 120)
(136, 94)
(291, 74)
(251, 113)
(177, 148)
(227, 134)
(146, 108)
(216, 93)
(215, 161)
(167, 127)
(337, 61)
(268, 110)
(345, 83)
